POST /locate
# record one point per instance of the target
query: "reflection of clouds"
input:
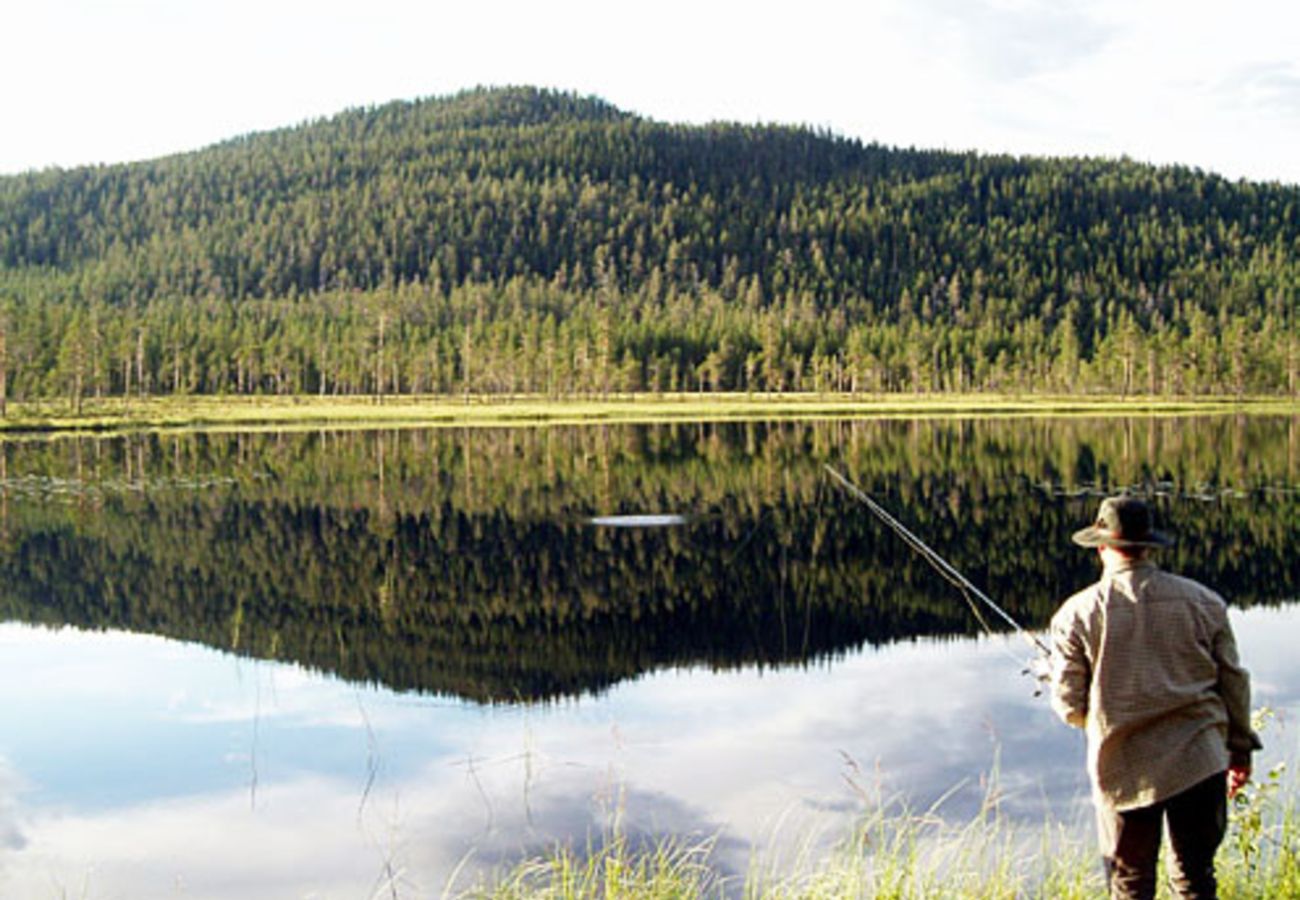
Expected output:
(11, 833)
(918, 719)
(1266, 640)
(757, 758)
(570, 811)
(181, 682)
(280, 692)
(70, 660)
(206, 846)
(314, 837)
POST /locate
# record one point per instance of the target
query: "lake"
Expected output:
(358, 663)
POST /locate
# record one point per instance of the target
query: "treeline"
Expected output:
(462, 562)
(533, 338)
(518, 240)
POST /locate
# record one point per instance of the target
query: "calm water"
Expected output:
(323, 664)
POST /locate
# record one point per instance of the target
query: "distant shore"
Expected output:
(309, 412)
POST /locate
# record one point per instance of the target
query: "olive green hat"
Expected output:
(1122, 522)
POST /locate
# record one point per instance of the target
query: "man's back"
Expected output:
(1146, 663)
(1152, 666)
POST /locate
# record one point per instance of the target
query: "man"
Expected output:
(1146, 663)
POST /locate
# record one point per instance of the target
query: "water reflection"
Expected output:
(360, 616)
(465, 563)
(300, 783)
(279, 759)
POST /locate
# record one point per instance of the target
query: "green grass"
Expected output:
(896, 854)
(225, 413)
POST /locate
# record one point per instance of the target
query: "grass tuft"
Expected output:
(668, 870)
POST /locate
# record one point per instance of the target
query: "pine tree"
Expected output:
(72, 360)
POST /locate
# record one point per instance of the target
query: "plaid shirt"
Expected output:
(1146, 663)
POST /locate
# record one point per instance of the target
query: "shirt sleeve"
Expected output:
(1071, 671)
(1234, 687)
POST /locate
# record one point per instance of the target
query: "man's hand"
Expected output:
(1237, 778)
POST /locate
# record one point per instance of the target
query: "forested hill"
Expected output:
(524, 240)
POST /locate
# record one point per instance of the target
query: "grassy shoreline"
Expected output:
(310, 412)
(895, 853)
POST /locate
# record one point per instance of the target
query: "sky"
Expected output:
(1210, 85)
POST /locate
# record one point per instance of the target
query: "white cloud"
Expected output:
(1008, 41)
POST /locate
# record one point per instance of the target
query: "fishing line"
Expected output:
(968, 591)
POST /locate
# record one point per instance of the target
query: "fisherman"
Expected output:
(1146, 663)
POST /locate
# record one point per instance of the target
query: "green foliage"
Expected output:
(520, 240)
(1262, 856)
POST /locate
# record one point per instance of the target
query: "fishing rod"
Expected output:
(942, 566)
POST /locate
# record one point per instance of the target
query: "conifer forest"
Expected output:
(509, 241)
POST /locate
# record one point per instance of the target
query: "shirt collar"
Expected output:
(1128, 564)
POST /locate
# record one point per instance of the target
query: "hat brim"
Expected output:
(1092, 536)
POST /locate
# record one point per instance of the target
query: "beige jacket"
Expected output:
(1146, 663)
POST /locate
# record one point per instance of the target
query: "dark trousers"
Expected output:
(1130, 841)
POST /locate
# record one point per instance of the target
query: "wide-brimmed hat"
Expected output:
(1122, 522)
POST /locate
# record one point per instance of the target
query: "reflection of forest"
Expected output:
(460, 562)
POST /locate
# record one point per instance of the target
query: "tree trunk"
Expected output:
(1292, 370)
(4, 364)
(96, 377)
(139, 362)
(379, 361)
(466, 360)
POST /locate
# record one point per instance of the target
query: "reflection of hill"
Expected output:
(489, 586)
(481, 606)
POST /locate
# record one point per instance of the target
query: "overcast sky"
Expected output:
(1212, 85)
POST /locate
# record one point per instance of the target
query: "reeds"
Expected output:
(897, 854)
(616, 870)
